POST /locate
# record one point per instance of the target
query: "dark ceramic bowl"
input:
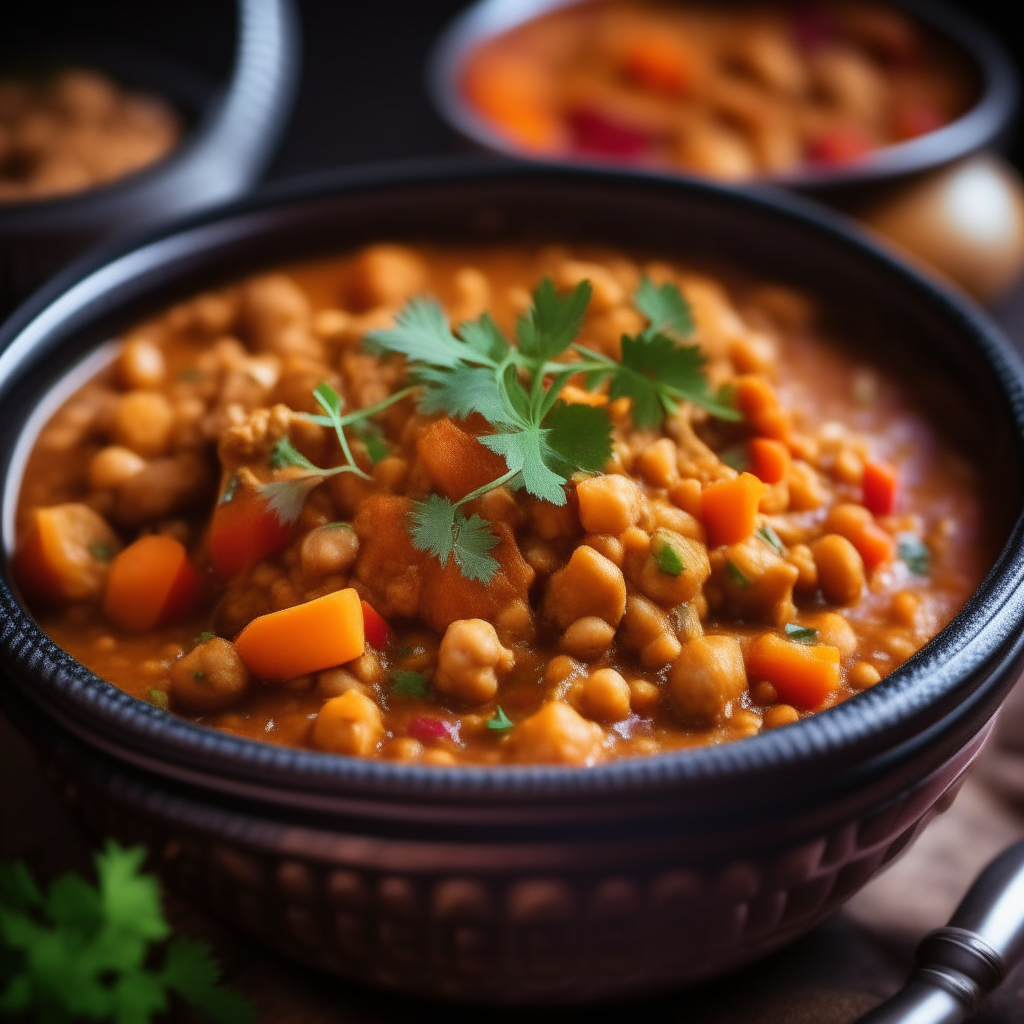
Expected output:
(987, 123)
(538, 883)
(231, 133)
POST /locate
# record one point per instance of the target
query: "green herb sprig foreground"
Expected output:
(84, 953)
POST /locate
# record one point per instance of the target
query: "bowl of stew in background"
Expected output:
(97, 139)
(814, 96)
(739, 673)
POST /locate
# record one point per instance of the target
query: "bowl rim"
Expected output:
(981, 125)
(899, 710)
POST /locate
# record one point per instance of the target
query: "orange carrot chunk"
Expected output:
(456, 461)
(654, 61)
(769, 460)
(729, 509)
(879, 485)
(876, 547)
(803, 675)
(151, 583)
(306, 638)
(756, 399)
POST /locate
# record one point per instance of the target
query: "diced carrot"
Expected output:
(511, 95)
(656, 62)
(243, 530)
(64, 554)
(375, 627)
(729, 509)
(802, 674)
(456, 461)
(876, 547)
(879, 486)
(769, 460)
(756, 399)
(151, 583)
(306, 638)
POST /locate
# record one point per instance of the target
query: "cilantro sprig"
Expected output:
(286, 496)
(517, 389)
(78, 952)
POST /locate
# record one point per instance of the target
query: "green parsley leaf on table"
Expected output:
(801, 634)
(79, 952)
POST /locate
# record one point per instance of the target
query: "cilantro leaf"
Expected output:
(736, 457)
(373, 440)
(158, 699)
(286, 497)
(461, 392)
(87, 952)
(771, 538)
(552, 323)
(101, 552)
(528, 452)
(441, 530)
(412, 684)
(421, 334)
(914, 553)
(329, 399)
(665, 306)
(204, 637)
(669, 560)
(581, 435)
(499, 721)
(801, 634)
(285, 454)
(484, 336)
(736, 575)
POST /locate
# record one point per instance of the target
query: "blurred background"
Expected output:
(362, 95)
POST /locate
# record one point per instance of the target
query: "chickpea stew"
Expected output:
(77, 130)
(321, 508)
(732, 91)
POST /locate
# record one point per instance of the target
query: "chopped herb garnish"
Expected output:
(404, 652)
(373, 440)
(736, 458)
(198, 674)
(771, 538)
(229, 490)
(801, 634)
(914, 553)
(516, 389)
(190, 374)
(204, 637)
(285, 454)
(101, 552)
(736, 576)
(412, 684)
(499, 721)
(159, 698)
(669, 560)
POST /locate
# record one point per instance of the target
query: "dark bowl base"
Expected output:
(534, 929)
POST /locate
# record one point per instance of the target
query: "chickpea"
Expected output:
(661, 585)
(686, 495)
(834, 631)
(657, 463)
(607, 545)
(473, 294)
(386, 275)
(588, 585)
(643, 696)
(469, 660)
(333, 682)
(142, 422)
(112, 466)
(675, 520)
(587, 638)
(800, 555)
(605, 696)
(609, 504)
(211, 677)
(905, 607)
(560, 668)
(367, 669)
(329, 550)
(273, 306)
(556, 735)
(349, 724)
(840, 569)
(606, 292)
(864, 675)
(780, 714)
(707, 675)
(141, 364)
(646, 628)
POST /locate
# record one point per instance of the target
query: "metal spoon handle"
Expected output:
(959, 965)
